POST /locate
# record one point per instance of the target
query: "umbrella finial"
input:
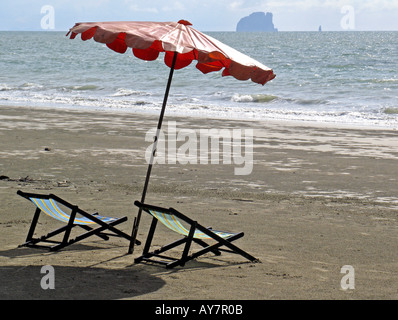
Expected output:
(185, 22)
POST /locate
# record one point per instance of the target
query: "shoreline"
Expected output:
(287, 122)
(319, 198)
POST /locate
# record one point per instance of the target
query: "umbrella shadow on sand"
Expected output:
(23, 282)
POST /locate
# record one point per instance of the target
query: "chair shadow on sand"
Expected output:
(92, 282)
(23, 282)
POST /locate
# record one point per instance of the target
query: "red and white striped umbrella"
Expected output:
(148, 39)
(182, 44)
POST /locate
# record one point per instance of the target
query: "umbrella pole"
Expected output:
(137, 219)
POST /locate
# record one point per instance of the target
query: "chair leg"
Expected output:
(91, 232)
(97, 231)
(33, 225)
(87, 228)
(205, 245)
(109, 226)
(228, 244)
(150, 236)
(188, 244)
(69, 227)
(145, 253)
(31, 242)
(157, 253)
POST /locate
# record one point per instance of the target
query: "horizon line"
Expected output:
(232, 31)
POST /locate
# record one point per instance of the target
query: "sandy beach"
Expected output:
(319, 197)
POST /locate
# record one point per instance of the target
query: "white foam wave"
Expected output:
(259, 98)
(121, 92)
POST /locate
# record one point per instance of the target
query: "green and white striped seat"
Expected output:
(191, 231)
(172, 222)
(51, 208)
(51, 205)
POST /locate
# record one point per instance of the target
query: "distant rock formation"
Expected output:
(257, 21)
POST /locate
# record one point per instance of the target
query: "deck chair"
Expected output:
(195, 232)
(92, 224)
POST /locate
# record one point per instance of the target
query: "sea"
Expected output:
(347, 78)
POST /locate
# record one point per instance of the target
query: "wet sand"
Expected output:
(319, 197)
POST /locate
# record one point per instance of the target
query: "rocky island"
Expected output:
(257, 22)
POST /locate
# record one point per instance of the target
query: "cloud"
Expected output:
(154, 6)
(235, 5)
(375, 5)
(379, 5)
(206, 15)
(175, 6)
(137, 8)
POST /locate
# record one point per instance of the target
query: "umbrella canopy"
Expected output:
(148, 39)
(182, 44)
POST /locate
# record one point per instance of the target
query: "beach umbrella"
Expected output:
(181, 44)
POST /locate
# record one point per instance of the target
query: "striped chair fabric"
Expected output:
(171, 222)
(50, 207)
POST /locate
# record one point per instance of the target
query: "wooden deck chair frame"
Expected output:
(196, 233)
(72, 220)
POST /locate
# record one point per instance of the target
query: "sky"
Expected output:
(205, 15)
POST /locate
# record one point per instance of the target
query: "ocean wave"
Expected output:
(386, 80)
(86, 87)
(307, 102)
(266, 98)
(52, 99)
(257, 98)
(392, 80)
(387, 116)
(27, 86)
(121, 92)
(4, 87)
(390, 110)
